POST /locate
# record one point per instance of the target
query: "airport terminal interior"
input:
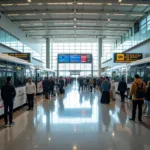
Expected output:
(73, 73)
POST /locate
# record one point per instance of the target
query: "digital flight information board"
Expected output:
(74, 58)
(24, 56)
(126, 57)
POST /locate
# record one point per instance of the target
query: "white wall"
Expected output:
(143, 48)
(12, 28)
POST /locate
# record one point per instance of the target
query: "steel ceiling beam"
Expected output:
(61, 20)
(77, 27)
(79, 1)
(63, 11)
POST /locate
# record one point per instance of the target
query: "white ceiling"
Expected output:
(72, 19)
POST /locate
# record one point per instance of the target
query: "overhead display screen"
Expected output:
(127, 57)
(74, 58)
(63, 58)
(24, 56)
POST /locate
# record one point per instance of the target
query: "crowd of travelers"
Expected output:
(139, 92)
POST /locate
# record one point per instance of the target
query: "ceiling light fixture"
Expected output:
(75, 19)
(119, 1)
(143, 5)
(80, 3)
(69, 3)
(23, 4)
(40, 3)
(12, 14)
(136, 15)
(25, 24)
(109, 4)
(109, 19)
(29, 1)
(75, 26)
(6, 4)
(43, 13)
(119, 14)
(123, 4)
(30, 14)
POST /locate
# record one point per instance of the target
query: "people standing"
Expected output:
(113, 90)
(137, 91)
(91, 84)
(8, 94)
(105, 98)
(147, 100)
(80, 83)
(61, 85)
(31, 92)
(52, 84)
(122, 88)
(46, 87)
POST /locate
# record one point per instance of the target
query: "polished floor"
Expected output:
(76, 121)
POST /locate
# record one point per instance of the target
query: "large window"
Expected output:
(80, 48)
(11, 41)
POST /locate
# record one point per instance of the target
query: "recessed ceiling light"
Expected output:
(75, 26)
(119, 1)
(43, 13)
(30, 14)
(123, 4)
(109, 19)
(40, 3)
(119, 14)
(6, 4)
(25, 24)
(109, 4)
(108, 14)
(124, 24)
(143, 5)
(29, 1)
(12, 14)
(75, 19)
(80, 3)
(69, 3)
(23, 4)
(135, 15)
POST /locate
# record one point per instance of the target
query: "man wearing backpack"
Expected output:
(137, 91)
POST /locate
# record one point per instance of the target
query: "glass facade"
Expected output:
(75, 48)
(10, 41)
(106, 52)
(127, 41)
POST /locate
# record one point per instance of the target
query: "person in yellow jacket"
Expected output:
(91, 84)
(137, 91)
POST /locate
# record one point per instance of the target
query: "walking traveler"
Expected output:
(8, 94)
(52, 84)
(61, 84)
(81, 83)
(147, 101)
(46, 87)
(91, 84)
(122, 88)
(31, 92)
(137, 91)
(105, 98)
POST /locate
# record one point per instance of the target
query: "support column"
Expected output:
(48, 52)
(99, 55)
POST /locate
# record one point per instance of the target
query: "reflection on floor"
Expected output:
(76, 121)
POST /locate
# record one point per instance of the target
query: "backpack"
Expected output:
(140, 92)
